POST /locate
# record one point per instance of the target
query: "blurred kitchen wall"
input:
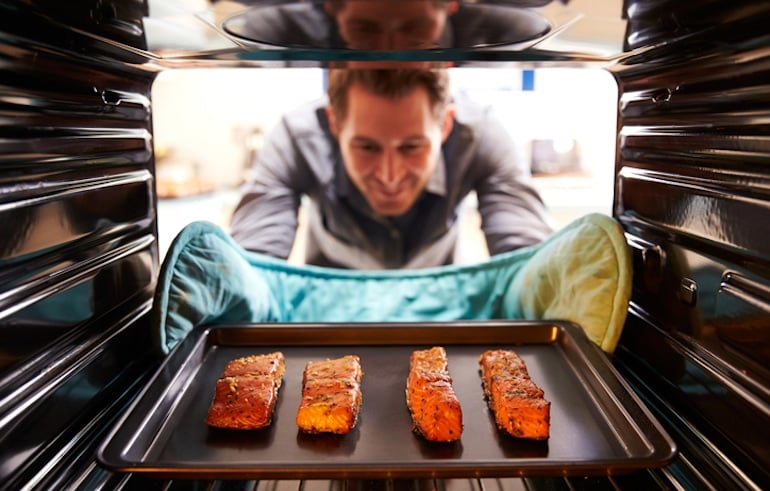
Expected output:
(207, 119)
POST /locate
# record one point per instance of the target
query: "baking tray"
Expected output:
(598, 426)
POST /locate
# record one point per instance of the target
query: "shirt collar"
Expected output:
(437, 182)
(342, 182)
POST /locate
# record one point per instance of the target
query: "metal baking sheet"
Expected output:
(598, 426)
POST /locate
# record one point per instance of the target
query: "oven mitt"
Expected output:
(581, 273)
(205, 279)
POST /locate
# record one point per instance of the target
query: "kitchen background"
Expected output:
(209, 123)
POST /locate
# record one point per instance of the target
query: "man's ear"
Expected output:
(333, 126)
(448, 122)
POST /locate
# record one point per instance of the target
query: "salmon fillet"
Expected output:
(518, 404)
(331, 395)
(435, 409)
(246, 393)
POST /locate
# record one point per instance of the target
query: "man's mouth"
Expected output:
(390, 193)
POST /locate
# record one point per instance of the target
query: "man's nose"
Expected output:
(391, 170)
(389, 40)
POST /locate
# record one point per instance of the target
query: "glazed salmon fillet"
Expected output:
(435, 409)
(331, 395)
(518, 404)
(246, 393)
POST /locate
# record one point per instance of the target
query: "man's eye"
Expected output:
(410, 148)
(363, 29)
(420, 28)
(366, 147)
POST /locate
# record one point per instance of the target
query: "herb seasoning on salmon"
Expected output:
(519, 405)
(331, 395)
(435, 409)
(246, 393)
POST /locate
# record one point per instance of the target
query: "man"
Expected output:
(385, 165)
(390, 24)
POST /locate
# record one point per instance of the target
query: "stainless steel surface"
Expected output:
(78, 254)
(182, 34)
(597, 426)
(692, 194)
(307, 26)
(693, 80)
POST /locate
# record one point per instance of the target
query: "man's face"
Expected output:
(390, 147)
(392, 24)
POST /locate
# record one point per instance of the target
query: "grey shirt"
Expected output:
(300, 157)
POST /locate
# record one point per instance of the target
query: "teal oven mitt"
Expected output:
(205, 279)
(581, 273)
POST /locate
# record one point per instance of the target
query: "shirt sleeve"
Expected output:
(512, 212)
(265, 219)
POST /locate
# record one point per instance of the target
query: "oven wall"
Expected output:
(693, 194)
(78, 253)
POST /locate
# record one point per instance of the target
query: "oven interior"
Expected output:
(83, 236)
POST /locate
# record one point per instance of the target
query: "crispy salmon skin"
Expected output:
(518, 404)
(246, 393)
(435, 409)
(331, 395)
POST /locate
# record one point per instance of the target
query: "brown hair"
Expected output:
(391, 83)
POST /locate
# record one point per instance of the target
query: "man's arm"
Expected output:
(265, 219)
(512, 211)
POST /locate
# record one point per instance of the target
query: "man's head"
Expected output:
(391, 24)
(390, 125)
